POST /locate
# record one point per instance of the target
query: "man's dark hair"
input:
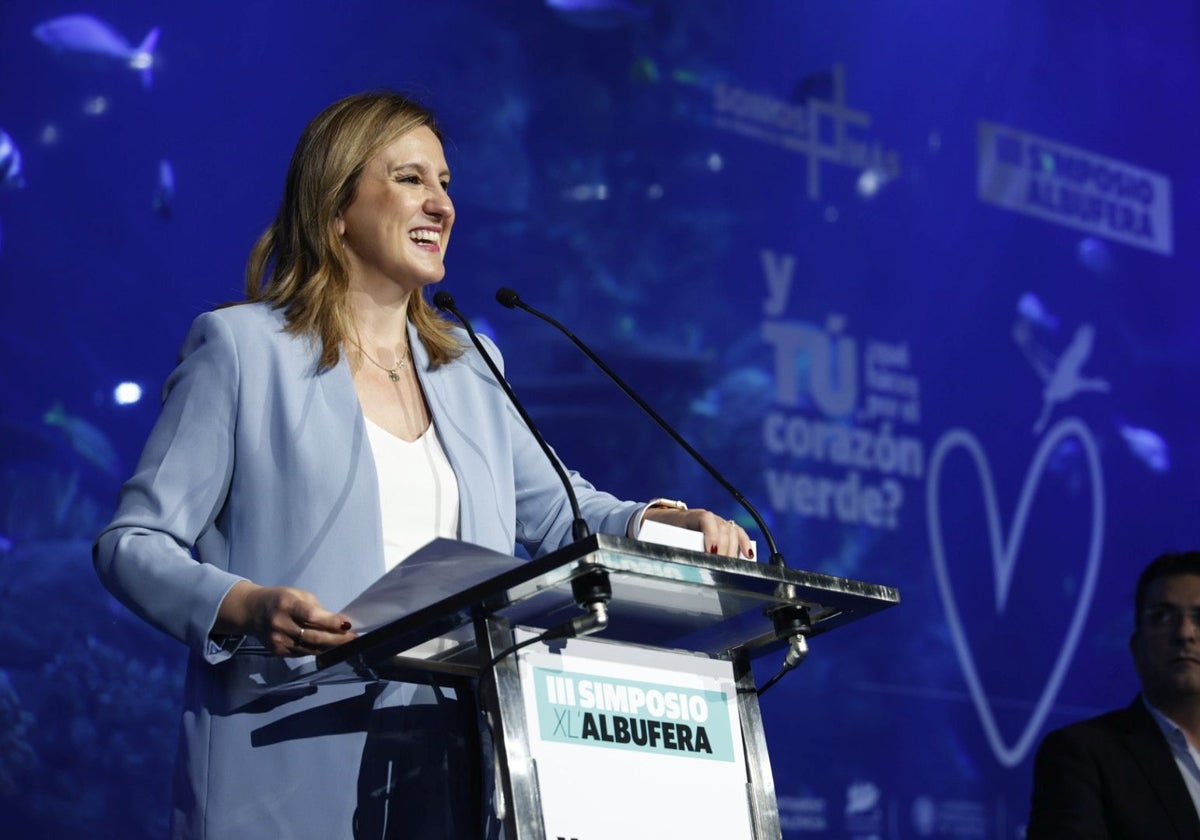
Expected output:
(1164, 565)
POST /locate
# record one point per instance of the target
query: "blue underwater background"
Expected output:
(917, 276)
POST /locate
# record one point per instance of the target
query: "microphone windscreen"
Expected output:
(507, 297)
(443, 300)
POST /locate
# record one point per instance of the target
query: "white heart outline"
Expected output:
(1003, 562)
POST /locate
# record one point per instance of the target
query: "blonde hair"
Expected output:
(298, 263)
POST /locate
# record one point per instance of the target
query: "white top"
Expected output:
(418, 493)
(1187, 759)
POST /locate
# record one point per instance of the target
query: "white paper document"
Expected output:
(446, 567)
(441, 569)
(661, 533)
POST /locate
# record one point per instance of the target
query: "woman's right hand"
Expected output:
(288, 621)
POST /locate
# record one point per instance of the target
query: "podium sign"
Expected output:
(633, 742)
(651, 729)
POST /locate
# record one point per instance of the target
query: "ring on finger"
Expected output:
(300, 638)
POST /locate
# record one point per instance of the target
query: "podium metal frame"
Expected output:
(662, 597)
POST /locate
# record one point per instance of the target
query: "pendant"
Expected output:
(394, 375)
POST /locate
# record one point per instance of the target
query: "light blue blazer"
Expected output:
(259, 468)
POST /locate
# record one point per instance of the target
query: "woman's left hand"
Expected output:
(721, 536)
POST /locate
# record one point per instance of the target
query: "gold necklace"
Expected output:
(392, 372)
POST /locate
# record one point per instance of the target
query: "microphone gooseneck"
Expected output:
(508, 298)
(791, 621)
(444, 301)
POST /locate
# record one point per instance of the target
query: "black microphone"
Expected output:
(509, 298)
(444, 301)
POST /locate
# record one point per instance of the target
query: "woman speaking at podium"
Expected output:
(311, 438)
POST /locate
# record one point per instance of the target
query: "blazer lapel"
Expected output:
(1153, 755)
(442, 406)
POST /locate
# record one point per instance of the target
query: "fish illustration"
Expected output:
(88, 34)
(1031, 308)
(644, 70)
(742, 391)
(85, 439)
(1065, 380)
(1147, 446)
(1095, 254)
(10, 163)
(599, 14)
(164, 190)
(862, 797)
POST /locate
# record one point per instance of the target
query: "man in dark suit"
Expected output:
(1135, 773)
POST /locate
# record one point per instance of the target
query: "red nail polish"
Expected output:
(713, 549)
(345, 626)
(750, 553)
